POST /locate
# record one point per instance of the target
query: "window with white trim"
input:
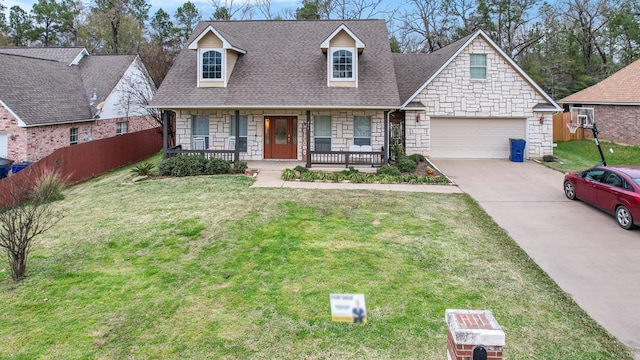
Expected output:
(242, 145)
(199, 132)
(122, 128)
(343, 64)
(478, 66)
(362, 130)
(212, 64)
(322, 133)
(73, 136)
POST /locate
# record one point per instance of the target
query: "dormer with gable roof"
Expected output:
(217, 56)
(342, 48)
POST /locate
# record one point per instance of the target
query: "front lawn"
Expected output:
(583, 154)
(206, 267)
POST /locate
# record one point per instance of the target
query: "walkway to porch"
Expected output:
(269, 177)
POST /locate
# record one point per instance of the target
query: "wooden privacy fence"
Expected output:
(84, 161)
(560, 130)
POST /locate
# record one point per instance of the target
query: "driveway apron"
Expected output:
(592, 259)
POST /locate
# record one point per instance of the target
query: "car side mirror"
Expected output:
(580, 174)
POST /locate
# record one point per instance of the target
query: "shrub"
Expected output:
(288, 174)
(308, 176)
(143, 169)
(388, 170)
(405, 164)
(356, 177)
(183, 165)
(370, 178)
(48, 186)
(417, 158)
(218, 166)
(412, 179)
(300, 169)
(239, 167)
(548, 158)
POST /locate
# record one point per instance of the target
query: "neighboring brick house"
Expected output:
(325, 87)
(55, 97)
(616, 104)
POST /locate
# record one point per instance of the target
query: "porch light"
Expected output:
(417, 117)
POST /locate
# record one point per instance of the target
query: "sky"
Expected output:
(170, 6)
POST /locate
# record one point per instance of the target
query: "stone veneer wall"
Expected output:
(34, 143)
(503, 94)
(220, 128)
(617, 123)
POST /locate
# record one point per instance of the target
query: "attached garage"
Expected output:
(474, 138)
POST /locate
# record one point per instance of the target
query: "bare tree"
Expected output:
(230, 10)
(28, 212)
(137, 91)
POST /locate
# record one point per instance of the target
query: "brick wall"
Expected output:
(503, 94)
(617, 123)
(34, 143)
(16, 136)
(220, 128)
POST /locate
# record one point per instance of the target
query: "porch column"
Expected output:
(165, 133)
(236, 155)
(308, 139)
(385, 153)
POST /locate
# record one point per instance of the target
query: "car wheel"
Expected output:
(624, 218)
(569, 190)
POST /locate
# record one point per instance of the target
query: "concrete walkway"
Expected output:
(581, 248)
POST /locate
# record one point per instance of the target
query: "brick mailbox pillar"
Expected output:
(473, 335)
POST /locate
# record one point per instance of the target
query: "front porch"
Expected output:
(346, 137)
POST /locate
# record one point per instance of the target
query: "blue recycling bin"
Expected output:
(517, 150)
(5, 166)
(17, 167)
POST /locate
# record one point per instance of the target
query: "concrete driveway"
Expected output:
(581, 248)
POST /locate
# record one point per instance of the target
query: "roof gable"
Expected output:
(619, 88)
(455, 49)
(226, 44)
(326, 43)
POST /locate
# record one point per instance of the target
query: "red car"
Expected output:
(614, 189)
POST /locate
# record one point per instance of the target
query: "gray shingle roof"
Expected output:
(43, 92)
(285, 67)
(413, 70)
(61, 54)
(623, 87)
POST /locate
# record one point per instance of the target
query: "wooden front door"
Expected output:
(280, 137)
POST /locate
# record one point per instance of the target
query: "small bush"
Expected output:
(308, 176)
(217, 166)
(356, 177)
(288, 174)
(388, 170)
(239, 167)
(370, 178)
(48, 187)
(417, 158)
(405, 164)
(183, 165)
(412, 179)
(300, 169)
(143, 169)
(548, 158)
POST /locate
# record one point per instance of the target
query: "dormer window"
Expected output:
(211, 64)
(343, 64)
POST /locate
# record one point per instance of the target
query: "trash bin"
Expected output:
(517, 150)
(5, 166)
(20, 166)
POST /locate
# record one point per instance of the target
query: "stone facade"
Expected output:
(36, 142)
(504, 94)
(617, 123)
(220, 128)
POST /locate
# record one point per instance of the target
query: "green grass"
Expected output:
(207, 267)
(583, 154)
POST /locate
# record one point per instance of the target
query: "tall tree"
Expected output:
(187, 17)
(119, 15)
(308, 11)
(231, 10)
(20, 26)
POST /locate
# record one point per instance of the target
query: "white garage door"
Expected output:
(474, 138)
